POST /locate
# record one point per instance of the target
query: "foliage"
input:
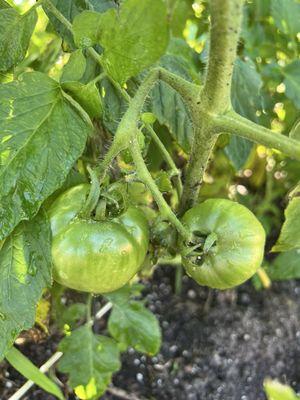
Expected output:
(153, 104)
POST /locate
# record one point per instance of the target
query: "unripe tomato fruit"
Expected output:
(95, 256)
(232, 243)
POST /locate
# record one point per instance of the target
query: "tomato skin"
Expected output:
(239, 247)
(67, 206)
(95, 256)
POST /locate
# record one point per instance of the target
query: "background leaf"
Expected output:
(289, 238)
(179, 11)
(69, 9)
(42, 136)
(286, 15)
(132, 38)
(246, 100)
(25, 270)
(89, 360)
(295, 131)
(15, 34)
(131, 324)
(75, 67)
(285, 266)
(165, 103)
(292, 81)
(277, 391)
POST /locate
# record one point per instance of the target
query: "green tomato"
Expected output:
(95, 256)
(231, 245)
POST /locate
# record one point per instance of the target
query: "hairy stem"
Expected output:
(48, 4)
(240, 126)
(128, 124)
(175, 172)
(93, 196)
(147, 179)
(214, 97)
(226, 18)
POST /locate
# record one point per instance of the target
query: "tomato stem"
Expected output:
(89, 305)
(93, 196)
(146, 177)
(240, 126)
(264, 278)
(169, 160)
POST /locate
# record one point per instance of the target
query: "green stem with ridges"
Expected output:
(175, 172)
(214, 97)
(146, 178)
(233, 123)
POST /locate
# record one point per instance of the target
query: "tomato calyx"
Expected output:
(105, 202)
(199, 247)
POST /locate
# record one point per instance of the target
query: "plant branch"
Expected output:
(175, 172)
(240, 126)
(128, 124)
(146, 178)
(48, 4)
(214, 97)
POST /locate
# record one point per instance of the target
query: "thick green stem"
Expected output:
(128, 123)
(188, 91)
(48, 4)
(147, 179)
(203, 145)
(175, 172)
(240, 126)
(214, 97)
(226, 18)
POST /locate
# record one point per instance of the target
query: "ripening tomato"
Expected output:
(95, 256)
(228, 243)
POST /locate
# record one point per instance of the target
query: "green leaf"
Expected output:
(131, 324)
(71, 315)
(90, 360)
(25, 270)
(246, 100)
(87, 96)
(286, 266)
(179, 12)
(133, 38)
(292, 81)
(69, 9)
(277, 391)
(163, 182)
(15, 34)
(114, 106)
(23, 365)
(295, 131)
(75, 67)
(289, 238)
(167, 105)
(86, 28)
(41, 136)
(286, 16)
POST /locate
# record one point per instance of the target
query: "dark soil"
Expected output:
(216, 345)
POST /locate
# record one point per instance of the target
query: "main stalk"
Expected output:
(214, 97)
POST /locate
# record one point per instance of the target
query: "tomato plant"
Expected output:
(134, 134)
